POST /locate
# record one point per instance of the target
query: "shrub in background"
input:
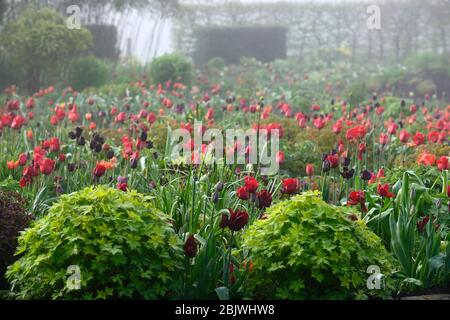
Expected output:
(88, 72)
(9, 74)
(171, 67)
(13, 220)
(42, 36)
(124, 247)
(308, 249)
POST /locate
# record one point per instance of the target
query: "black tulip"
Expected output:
(81, 141)
(110, 154)
(366, 175)
(78, 132)
(143, 136)
(134, 163)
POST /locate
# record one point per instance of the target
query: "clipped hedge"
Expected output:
(265, 43)
(307, 249)
(123, 246)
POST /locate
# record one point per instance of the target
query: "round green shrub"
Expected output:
(123, 246)
(88, 72)
(13, 220)
(308, 249)
(171, 67)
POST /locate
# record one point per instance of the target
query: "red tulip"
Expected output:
(47, 166)
(264, 199)
(384, 139)
(18, 122)
(23, 159)
(99, 170)
(290, 186)
(422, 223)
(419, 139)
(333, 159)
(309, 170)
(358, 132)
(426, 159)
(392, 128)
(242, 193)
(280, 158)
(358, 197)
(383, 191)
(54, 144)
(404, 136)
(191, 247)
(236, 221)
(251, 184)
(442, 163)
(30, 103)
(433, 136)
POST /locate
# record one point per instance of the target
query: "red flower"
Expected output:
(358, 132)
(384, 139)
(23, 159)
(383, 191)
(309, 170)
(358, 197)
(442, 163)
(319, 123)
(191, 247)
(236, 221)
(251, 184)
(333, 159)
(121, 117)
(73, 115)
(54, 144)
(422, 223)
(30, 103)
(151, 118)
(426, 159)
(122, 186)
(290, 186)
(419, 139)
(264, 199)
(337, 127)
(280, 158)
(242, 193)
(433, 136)
(18, 122)
(47, 166)
(404, 136)
(99, 170)
(392, 128)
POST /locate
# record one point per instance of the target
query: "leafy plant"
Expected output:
(123, 246)
(88, 72)
(173, 68)
(42, 36)
(416, 240)
(307, 249)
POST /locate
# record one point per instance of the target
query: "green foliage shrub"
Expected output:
(171, 67)
(307, 249)
(88, 72)
(13, 220)
(9, 74)
(124, 247)
(42, 36)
